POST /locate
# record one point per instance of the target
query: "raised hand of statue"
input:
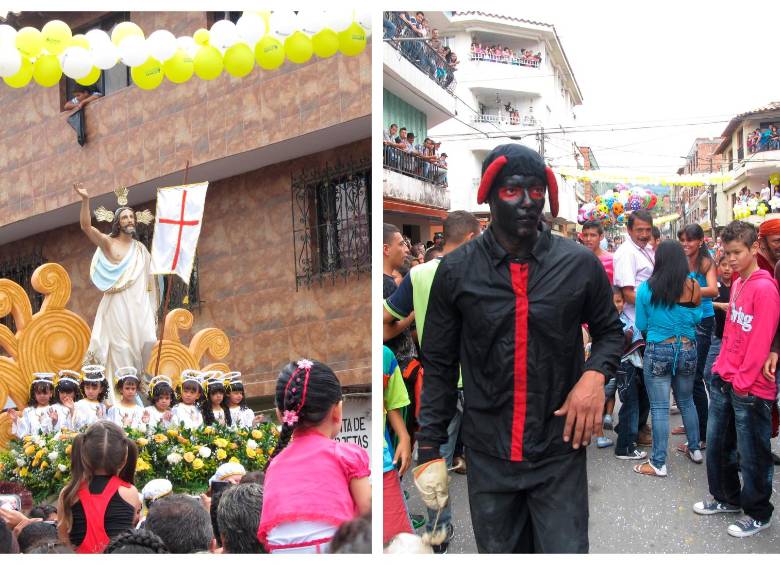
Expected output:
(53, 415)
(79, 189)
(145, 417)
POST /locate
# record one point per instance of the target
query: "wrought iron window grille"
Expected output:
(331, 215)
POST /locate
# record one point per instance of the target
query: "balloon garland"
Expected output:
(613, 207)
(263, 38)
(755, 206)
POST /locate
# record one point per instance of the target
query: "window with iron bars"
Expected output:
(20, 271)
(331, 213)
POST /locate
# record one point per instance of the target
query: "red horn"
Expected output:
(552, 188)
(487, 179)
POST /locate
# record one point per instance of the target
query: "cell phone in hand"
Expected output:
(10, 502)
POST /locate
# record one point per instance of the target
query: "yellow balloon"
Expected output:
(774, 179)
(179, 68)
(124, 30)
(325, 43)
(79, 40)
(22, 77)
(352, 40)
(29, 42)
(46, 70)
(56, 36)
(201, 36)
(298, 47)
(269, 53)
(148, 75)
(91, 78)
(239, 60)
(208, 62)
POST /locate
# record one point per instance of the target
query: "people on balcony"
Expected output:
(764, 139)
(503, 54)
(418, 160)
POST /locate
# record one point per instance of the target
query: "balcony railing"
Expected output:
(413, 165)
(507, 60)
(504, 119)
(418, 51)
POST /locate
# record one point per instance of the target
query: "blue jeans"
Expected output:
(670, 365)
(628, 415)
(703, 341)
(389, 28)
(711, 356)
(740, 426)
(447, 451)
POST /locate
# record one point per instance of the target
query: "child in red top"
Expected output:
(740, 397)
(315, 484)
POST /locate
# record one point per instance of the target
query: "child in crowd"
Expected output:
(99, 502)
(721, 305)
(240, 414)
(186, 413)
(66, 393)
(214, 406)
(162, 397)
(126, 413)
(37, 418)
(741, 399)
(315, 483)
(154, 490)
(94, 389)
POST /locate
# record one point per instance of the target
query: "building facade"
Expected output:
(698, 204)
(283, 264)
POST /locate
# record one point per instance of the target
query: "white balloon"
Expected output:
(162, 45)
(105, 56)
(250, 28)
(7, 35)
(75, 62)
(363, 17)
(310, 21)
(283, 23)
(97, 38)
(187, 43)
(10, 61)
(223, 34)
(340, 19)
(133, 51)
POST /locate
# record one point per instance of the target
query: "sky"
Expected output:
(662, 62)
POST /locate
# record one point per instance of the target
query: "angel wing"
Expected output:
(144, 217)
(103, 215)
(121, 195)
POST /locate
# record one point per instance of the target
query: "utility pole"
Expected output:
(541, 142)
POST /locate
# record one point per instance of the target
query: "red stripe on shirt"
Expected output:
(520, 286)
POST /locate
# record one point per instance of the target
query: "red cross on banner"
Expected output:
(179, 220)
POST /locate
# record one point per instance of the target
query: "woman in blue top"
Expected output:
(667, 310)
(703, 269)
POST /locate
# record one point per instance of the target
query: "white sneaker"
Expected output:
(696, 456)
(746, 527)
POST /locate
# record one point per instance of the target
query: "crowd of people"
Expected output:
(499, 54)
(422, 44)
(665, 325)
(313, 496)
(422, 160)
(764, 139)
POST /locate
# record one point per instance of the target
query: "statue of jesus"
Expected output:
(124, 331)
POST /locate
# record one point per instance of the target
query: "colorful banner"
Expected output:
(635, 177)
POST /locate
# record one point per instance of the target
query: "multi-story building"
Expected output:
(284, 256)
(750, 151)
(417, 94)
(513, 83)
(697, 204)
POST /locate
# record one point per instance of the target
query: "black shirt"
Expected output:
(724, 295)
(118, 518)
(515, 329)
(401, 345)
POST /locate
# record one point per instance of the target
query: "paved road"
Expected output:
(630, 513)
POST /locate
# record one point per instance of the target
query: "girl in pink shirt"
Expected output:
(313, 483)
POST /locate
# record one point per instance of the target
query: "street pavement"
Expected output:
(631, 513)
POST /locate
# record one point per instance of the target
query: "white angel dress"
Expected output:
(187, 416)
(88, 412)
(33, 422)
(241, 417)
(156, 417)
(127, 416)
(66, 417)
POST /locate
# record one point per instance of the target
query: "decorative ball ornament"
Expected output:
(269, 53)
(201, 36)
(79, 40)
(76, 62)
(325, 43)
(239, 60)
(298, 47)
(352, 41)
(208, 63)
(125, 30)
(179, 68)
(148, 75)
(29, 42)
(56, 36)
(22, 77)
(617, 208)
(10, 61)
(91, 78)
(46, 70)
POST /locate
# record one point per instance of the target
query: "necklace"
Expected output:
(733, 301)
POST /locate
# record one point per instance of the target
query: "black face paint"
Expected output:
(516, 204)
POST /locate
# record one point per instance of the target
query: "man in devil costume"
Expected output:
(507, 308)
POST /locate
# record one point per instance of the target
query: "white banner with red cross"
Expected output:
(177, 228)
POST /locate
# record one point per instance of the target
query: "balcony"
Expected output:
(506, 59)
(413, 179)
(502, 119)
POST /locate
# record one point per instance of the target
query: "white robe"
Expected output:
(127, 417)
(155, 417)
(124, 332)
(187, 416)
(33, 422)
(88, 412)
(66, 418)
(241, 417)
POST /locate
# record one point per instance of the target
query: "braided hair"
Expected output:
(237, 387)
(136, 541)
(67, 386)
(305, 393)
(158, 390)
(207, 410)
(39, 387)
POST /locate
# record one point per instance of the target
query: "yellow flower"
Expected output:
(173, 432)
(68, 449)
(44, 465)
(58, 475)
(197, 464)
(221, 454)
(208, 430)
(142, 441)
(160, 438)
(23, 471)
(233, 446)
(30, 449)
(142, 465)
(189, 457)
(183, 440)
(257, 434)
(220, 442)
(234, 459)
(251, 453)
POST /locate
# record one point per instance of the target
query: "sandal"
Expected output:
(647, 468)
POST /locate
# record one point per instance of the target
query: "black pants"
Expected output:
(524, 507)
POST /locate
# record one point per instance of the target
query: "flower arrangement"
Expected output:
(187, 458)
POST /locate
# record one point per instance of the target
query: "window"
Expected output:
(331, 211)
(20, 271)
(216, 16)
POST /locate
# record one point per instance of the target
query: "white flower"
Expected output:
(204, 452)
(40, 442)
(62, 468)
(251, 444)
(53, 456)
(57, 436)
(20, 462)
(14, 453)
(142, 427)
(173, 458)
(305, 364)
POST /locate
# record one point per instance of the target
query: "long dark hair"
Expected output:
(237, 387)
(669, 275)
(693, 232)
(67, 386)
(104, 446)
(310, 396)
(208, 411)
(159, 389)
(39, 387)
(115, 227)
(189, 385)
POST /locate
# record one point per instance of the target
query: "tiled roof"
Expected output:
(736, 120)
(502, 17)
